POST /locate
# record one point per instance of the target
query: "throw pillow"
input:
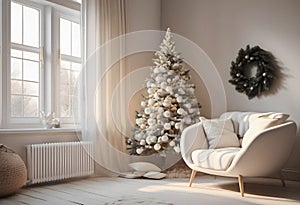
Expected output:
(220, 133)
(144, 167)
(259, 122)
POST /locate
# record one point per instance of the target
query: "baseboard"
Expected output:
(290, 174)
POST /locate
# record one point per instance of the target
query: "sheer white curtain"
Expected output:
(104, 20)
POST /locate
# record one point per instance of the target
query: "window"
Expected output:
(70, 64)
(43, 63)
(25, 61)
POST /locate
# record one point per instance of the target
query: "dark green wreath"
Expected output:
(254, 85)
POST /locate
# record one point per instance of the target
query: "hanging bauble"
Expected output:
(157, 147)
(167, 126)
(164, 138)
(172, 143)
(167, 114)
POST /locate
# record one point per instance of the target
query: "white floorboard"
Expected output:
(205, 190)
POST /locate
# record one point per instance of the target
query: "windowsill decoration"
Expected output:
(266, 64)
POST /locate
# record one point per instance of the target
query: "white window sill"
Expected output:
(39, 130)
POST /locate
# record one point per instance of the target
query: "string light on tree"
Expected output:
(168, 107)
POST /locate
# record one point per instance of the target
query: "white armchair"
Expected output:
(263, 153)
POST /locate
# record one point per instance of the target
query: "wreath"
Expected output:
(255, 85)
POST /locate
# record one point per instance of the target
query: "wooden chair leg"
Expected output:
(282, 179)
(193, 174)
(241, 185)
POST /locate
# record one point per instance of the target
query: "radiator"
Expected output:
(57, 161)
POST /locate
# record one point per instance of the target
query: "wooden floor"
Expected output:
(205, 190)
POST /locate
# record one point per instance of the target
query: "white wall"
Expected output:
(221, 28)
(17, 140)
(143, 15)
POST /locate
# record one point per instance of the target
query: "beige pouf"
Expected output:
(13, 172)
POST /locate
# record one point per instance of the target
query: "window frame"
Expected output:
(49, 68)
(70, 16)
(9, 121)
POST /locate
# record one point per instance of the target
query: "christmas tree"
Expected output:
(169, 106)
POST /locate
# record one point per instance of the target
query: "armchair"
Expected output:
(262, 152)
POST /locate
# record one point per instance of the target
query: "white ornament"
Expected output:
(159, 79)
(169, 89)
(153, 115)
(180, 90)
(166, 103)
(150, 90)
(179, 99)
(138, 137)
(167, 114)
(188, 105)
(139, 150)
(147, 110)
(162, 69)
(143, 142)
(153, 139)
(169, 80)
(159, 140)
(180, 111)
(143, 103)
(167, 126)
(157, 147)
(160, 110)
(151, 121)
(148, 140)
(170, 72)
(148, 84)
(172, 123)
(163, 85)
(172, 143)
(143, 126)
(164, 138)
(151, 101)
(187, 120)
(177, 125)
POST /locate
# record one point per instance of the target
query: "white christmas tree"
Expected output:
(169, 106)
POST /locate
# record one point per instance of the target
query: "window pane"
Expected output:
(76, 66)
(31, 88)
(31, 27)
(16, 68)
(73, 78)
(65, 64)
(76, 40)
(64, 77)
(16, 86)
(65, 36)
(16, 23)
(31, 56)
(31, 71)
(30, 106)
(16, 106)
(65, 109)
(16, 53)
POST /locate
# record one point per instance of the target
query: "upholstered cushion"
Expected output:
(217, 159)
(240, 121)
(259, 122)
(220, 133)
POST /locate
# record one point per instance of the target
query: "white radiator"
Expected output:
(57, 161)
